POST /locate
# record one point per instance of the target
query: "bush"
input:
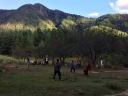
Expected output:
(1, 60)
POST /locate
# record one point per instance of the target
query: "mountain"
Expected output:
(115, 21)
(32, 16)
(35, 15)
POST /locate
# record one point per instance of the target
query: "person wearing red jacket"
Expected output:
(87, 68)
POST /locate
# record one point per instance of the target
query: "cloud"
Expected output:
(120, 6)
(94, 14)
(111, 4)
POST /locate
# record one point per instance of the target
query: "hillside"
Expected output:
(35, 15)
(115, 21)
(32, 16)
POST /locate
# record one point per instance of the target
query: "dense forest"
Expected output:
(92, 43)
(63, 35)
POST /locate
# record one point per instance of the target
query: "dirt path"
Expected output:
(104, 71)
(125, 93)
(109, 71)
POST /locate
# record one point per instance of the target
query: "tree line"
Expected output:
(90, 43)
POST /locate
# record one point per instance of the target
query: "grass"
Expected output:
(38, 82)
(6, 61)
(4, 58)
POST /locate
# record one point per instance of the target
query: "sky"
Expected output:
(87, 8)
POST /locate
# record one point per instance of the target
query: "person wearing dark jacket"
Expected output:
(72, 66)
(57, 67)
(28, 61)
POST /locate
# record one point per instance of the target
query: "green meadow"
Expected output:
(37, 81)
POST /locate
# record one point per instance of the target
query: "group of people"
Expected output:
(57, 66)
(86, 69)
(44, 61)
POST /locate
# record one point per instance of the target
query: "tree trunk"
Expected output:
(53, 60)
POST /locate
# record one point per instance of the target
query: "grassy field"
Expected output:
(7, 59)
(38, 82)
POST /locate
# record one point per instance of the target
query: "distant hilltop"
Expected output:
(29, 14)
(37, 15)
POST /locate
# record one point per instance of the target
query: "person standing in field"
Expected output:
(57, 67)
(72, 66)
(46, 59)
(97, 67)
(78, 63)
(87, 68)
(28, 62)
(101, 64)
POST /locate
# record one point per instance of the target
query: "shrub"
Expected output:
(1, 60)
